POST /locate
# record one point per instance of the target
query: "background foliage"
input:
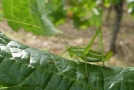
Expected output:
(83, 13)
(27, 68)
(31, 12)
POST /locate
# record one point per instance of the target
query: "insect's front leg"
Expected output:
(61, 55)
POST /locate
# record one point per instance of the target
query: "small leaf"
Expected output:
(31, 12)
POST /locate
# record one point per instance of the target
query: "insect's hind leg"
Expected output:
(87, 48)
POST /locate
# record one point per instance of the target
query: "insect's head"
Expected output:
(70, 51)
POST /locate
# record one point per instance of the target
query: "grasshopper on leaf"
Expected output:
(89, 55)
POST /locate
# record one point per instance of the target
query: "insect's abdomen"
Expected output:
(93, 56)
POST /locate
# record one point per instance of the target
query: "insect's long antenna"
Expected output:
(50, 22)
(64, 43)
(62, 40)
(34, 26)
(28, 23)
(22, 23)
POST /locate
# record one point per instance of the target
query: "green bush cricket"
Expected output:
(89, 55)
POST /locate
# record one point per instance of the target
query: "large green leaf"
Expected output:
(26, 68)
(31, 12)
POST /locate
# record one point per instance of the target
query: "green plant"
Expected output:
(84, 13)
(56, 10)
(27, 68)
(30, 12)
